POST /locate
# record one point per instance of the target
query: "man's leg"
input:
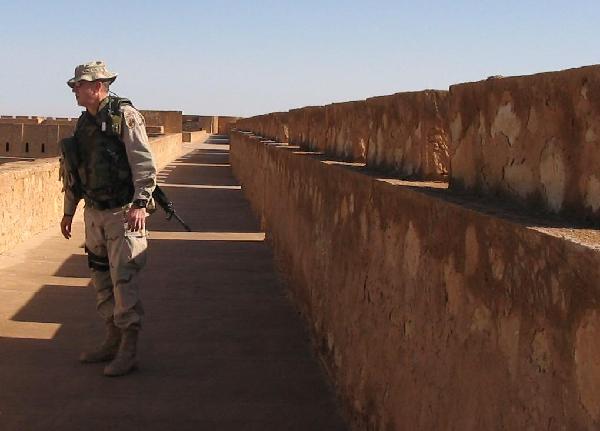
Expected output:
(127, 256)
(95, 244)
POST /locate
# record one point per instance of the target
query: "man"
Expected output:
(108, 164)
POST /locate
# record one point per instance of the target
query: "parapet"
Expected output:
(527, 140)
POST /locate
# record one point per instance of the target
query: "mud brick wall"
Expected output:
(198, 136)
(31, 197)
(405, 133)
(194, 123)
(32, 140)
(531, 139)
(273, 126)
(431, 314)
(171, 120)
(225, 124)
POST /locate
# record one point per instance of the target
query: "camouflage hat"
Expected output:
(92, 71)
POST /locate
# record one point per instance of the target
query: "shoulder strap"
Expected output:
(114, 112)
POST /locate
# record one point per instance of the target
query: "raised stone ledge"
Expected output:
(30, 192)
(404, 133)
(431, 311)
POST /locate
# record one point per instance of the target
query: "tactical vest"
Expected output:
(102, 165)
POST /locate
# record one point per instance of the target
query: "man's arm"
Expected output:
(143, 169)
(68, 174)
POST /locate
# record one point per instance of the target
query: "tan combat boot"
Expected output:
(108, 350)
(126, 360)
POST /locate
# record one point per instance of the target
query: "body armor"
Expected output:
(96, 160)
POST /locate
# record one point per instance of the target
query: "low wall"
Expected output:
(431, 312)
(31, 197)
(194, 136)
(532, 139)
(166, 148)
(404, 133)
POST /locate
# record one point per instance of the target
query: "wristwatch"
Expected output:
(140, 203)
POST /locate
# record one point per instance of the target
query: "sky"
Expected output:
(245, 58)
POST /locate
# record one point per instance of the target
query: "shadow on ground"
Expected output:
(222, 347)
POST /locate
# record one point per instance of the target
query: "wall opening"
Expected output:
(7, 147)
(43, 148)
(26, 147)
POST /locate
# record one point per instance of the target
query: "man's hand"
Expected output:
(136, 219)
(65, 226)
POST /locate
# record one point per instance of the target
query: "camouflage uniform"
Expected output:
(107, 236)
(116, 254)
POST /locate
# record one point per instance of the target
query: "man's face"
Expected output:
(87, 92)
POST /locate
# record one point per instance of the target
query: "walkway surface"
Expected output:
(222, 347)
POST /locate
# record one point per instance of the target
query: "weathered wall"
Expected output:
(194, 123)
(430, 314)
(224, 124)
(198, 136)
(38, 137)
(171, 120)
(212, 124)
(31, 197)
(32, 139)
(533, 139)
(166, 148)
(404, 133)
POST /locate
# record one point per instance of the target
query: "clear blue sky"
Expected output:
(251, 57)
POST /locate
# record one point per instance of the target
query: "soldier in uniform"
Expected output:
(108, 164)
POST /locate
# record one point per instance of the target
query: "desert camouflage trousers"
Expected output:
(117, 287)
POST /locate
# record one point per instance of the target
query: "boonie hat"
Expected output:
(92, 71)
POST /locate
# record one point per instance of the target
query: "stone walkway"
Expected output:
(222, 347)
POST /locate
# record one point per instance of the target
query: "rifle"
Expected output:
(163, 201)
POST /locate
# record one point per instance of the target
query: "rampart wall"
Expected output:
(33, 137)
(212, 124)
(39, 137)
(431, 311)
(31, 197)
(470, 306)
(170, 120)
(529, 140)
(404, 133)
(532, 139)
(225, 124)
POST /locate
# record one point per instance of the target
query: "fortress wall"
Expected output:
(198, 136)
(531, 139)
(30, 198)
(30, 192)
(37, 139)
(166, 148)
(405, 133)
(194, 123)
(431, 312)
(171, 120)
(224, 124)
(11, 137)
